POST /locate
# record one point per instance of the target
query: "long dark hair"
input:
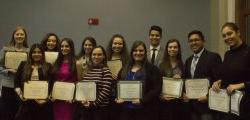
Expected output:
(166, 58)
(27, 70)
(13, 42)
(131, 62)
(123, 53)
(70, 57)
(82, 52)
(45, 39)
(104, 62)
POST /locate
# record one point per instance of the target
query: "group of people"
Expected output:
(145, 64)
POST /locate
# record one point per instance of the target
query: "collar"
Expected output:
(157, 48)
(243, 45)
(199, 54)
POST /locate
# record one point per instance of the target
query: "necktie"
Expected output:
(193, 65)
(153, 56)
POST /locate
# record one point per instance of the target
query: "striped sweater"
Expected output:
(103, 78)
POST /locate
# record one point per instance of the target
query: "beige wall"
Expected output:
(221, 11)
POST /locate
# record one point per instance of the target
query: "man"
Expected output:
(155, 52)
(202, 64)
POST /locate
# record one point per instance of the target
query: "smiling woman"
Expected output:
(140, 69)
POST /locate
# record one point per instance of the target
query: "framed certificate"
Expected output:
(35, 89)
(235, 102)
(172, 87)
(86, 90)
(63, 91)
(115, 66)
(219, 100)
(196, 88)
(13, 59)
(129, 90)
(51, 57)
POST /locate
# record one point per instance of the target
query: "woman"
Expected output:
(65, 71)
(117, 51)
(171, 67)
(235, 70)
(51, 42)
(83, 57)
(99, 72)
(139, 68)
(34, 69)
(9, 100)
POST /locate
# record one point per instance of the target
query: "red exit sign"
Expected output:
(93, 21)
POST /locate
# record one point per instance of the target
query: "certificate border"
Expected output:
(13, 52)
(195, 79)
(213, 108)
(37, 81)
(181, 88)
(86, 81)
(52, 94)
(128, 82)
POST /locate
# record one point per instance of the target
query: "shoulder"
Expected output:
(212, 54)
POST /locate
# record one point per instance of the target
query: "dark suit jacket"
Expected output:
(206, 67)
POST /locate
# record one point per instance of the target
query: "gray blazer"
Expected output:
(158, 58)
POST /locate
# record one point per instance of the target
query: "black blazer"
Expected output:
(21, 76)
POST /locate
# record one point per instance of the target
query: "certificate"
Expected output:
(196, 88)
(51, 57)
(86, 90)
(129, 90)
(13, 59)
(172, 87)
(63, 91)
(219, 100)
(235, 102)
(35, 90)
(115, 66)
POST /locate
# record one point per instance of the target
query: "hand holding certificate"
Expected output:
(86, 91)
(13, 59)
(63, 91)
(172, 87)
(51, 57)
(219, 100)
(35, 90)
(129, 90)
(196, 88)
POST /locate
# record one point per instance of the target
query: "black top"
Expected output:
(236, 67)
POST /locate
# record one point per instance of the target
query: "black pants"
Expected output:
(9, 103)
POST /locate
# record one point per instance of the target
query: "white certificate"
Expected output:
(219, 100)
(196, 88)
(63, 91)
(51, 57)
(115, 66)
(86, 90)
(235, 102)
(172, 87)
(129, 90)
(35, 90)
(13, 59)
